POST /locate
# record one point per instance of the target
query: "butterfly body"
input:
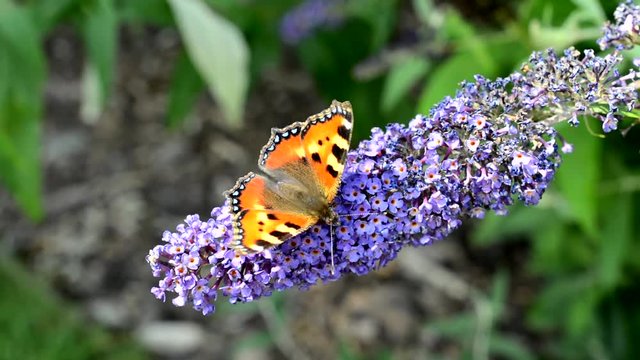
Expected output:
(302, 166)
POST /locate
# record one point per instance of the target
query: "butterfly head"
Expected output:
(329, 216)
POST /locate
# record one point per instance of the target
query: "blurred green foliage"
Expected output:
(36, 325)
(22, 70)
(583, 237)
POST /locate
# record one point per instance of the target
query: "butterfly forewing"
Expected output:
(326, 138)
(283, 148)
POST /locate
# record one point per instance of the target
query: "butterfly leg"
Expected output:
(333, 266)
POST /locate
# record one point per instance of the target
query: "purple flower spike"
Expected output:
(309, 16)
(404, 206)
(410, 185)
(623, 34)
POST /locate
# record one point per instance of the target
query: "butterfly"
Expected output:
(302, 167)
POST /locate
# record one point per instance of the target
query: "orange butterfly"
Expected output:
(302, 166)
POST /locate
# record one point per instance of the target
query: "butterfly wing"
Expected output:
(283, 149)
(312, 153)
(326, 138)
(258, 220)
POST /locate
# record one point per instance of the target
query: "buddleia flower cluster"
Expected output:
(623, 33)
(411, 185)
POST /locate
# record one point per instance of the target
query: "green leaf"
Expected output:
(579, 175)
(47, 13)
(22, 72)
(632, 114)
(581, 312)
(379, 14)
(402, 77)
(444, 80)
(92, 96)
(424, 10)
(547, 242)
(494, 229)
(156, 12)
(99, 30)
(619, 323)
(509, 348)
(460, 327)
(568, 302)
(499, 294)
(465, 37)
(346, 351)
(456, 27)
(592, 9)
(618, 226)
(543, 34)
(219, 53)
(186, 85)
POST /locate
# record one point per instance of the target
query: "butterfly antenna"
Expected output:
(362, 214)
(333, 266)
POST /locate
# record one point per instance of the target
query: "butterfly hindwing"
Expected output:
(326, 138)
(262, 229)
(258, 224)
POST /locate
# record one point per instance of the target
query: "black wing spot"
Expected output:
(292, 225)
(344, 132)
(326, 138)
(332, 171)
(260, 223)
(337, 151)
(264, 244)
(279, 234)
(316, 157)
(272, 217)
(320, 142)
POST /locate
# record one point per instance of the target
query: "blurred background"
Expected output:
(119, 118)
